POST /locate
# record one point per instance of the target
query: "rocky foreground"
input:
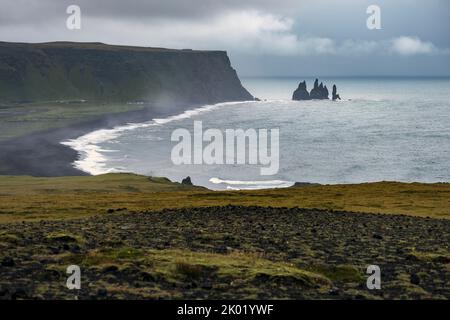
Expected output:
(227, 252)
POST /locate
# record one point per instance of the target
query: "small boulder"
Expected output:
(8, 262)
(187, 181)
(415, 279)
(102, 292)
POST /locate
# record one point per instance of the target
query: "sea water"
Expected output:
(395, 129)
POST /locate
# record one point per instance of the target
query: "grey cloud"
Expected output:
(37, 11)
(253, 31)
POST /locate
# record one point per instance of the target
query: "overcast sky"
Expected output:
(262, 37)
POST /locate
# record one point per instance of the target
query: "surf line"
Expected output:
(90, 154)
(238, 147)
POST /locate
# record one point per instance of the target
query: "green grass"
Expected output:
(6, 237)
(64, 237)
(29, 198)
(178, 266)
(20, 120)
(23, 197)
(437, 256)
(340, 273)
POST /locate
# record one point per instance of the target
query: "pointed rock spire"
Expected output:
(301, 93)
(335, 95)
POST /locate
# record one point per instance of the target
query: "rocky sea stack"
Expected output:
(335, 95)
(318, 92)
(301, 93)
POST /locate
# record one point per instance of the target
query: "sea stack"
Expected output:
(301, 93)
(335, 95)
(318, 92)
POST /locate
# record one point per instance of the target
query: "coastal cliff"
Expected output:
(107, 73)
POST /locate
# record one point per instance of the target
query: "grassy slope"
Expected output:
(69, 197)
(19, 120)
(174, 269)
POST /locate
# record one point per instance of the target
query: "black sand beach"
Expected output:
(42, 154)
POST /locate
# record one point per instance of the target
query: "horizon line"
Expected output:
(344, 76)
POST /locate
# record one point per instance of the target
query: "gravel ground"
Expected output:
(413, 254)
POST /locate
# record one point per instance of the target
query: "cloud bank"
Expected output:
(268, 34)
(327, 35)
(413, 45)
(241, 31)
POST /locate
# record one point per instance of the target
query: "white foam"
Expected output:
(252, 185)
(91, 158)
(190, 113)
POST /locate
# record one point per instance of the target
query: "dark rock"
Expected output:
(305, 184)
(8, 262)
(335, 95)
(146, 277)
(75, 249)
(54, 250)
(334, 291)
(315, 94)
(131, 270)
(187, 181)
(20, 293)
(325, 92)
(415, 279)
(3, 292)
(65, 238)
(206, 285)
(319, 92)
(221, 249)
(301, 93)
(102, 292)
(50, 275)
(110, 269)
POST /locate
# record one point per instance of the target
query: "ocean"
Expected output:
(383, 129)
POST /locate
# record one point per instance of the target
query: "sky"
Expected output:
(262, 37)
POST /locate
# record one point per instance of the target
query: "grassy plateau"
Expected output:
(137, 237)
(30, 198)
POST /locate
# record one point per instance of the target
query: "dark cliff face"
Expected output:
(99, 72)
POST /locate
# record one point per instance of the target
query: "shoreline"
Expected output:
(42, 154)
(87, 145)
